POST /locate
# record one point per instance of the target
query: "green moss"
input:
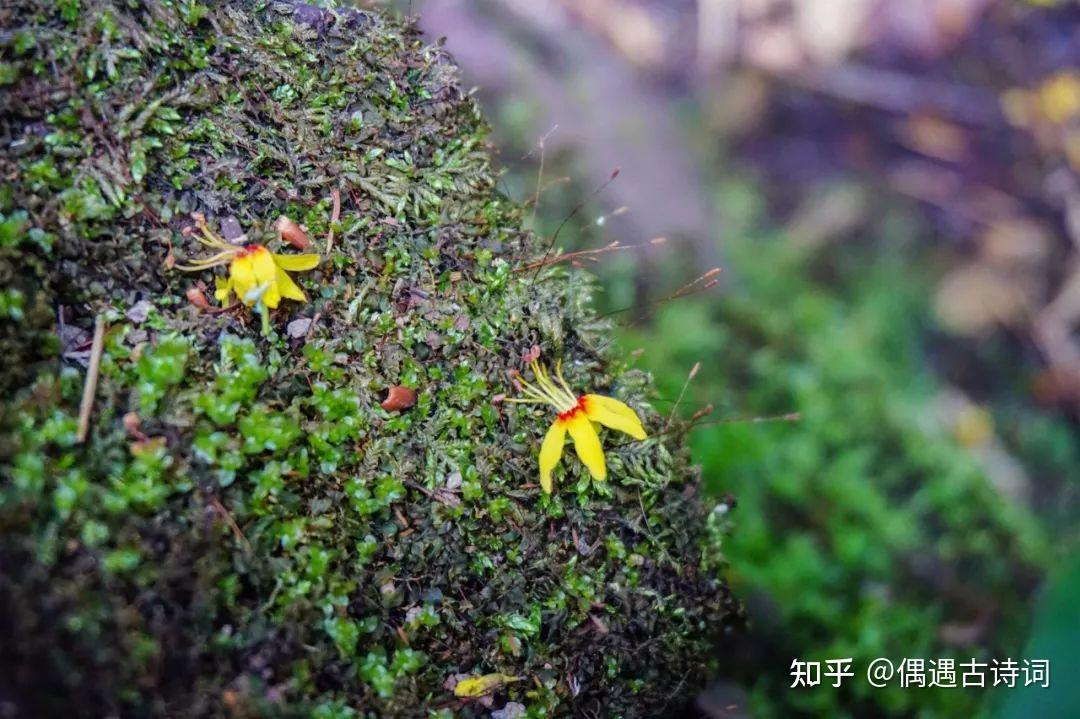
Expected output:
(266, 539)
(158, 369)
(866, 529)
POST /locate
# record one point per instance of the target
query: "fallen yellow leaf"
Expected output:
(481, 685)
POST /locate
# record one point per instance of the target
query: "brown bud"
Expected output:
(230, 698)
(1057, 385)
(132, 425)
(197, 298)
(292, 233)
(399, 398)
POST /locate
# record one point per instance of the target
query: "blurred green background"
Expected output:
(892, 193)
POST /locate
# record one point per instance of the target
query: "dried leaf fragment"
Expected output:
(298, 328)
(399, 398)
(292, 233)
(139, 311)
(482, 685)
(196, 297)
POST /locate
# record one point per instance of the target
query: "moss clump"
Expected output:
(246, 531)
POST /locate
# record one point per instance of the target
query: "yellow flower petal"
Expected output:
(551, 452)
(615, 414)
(242, 276)
(223, 288)
(264, 276)
(1060, 97)
(262, 262)
(485, 684)
(587, 444)
(296, 263)
(272, 297)
(288, 288)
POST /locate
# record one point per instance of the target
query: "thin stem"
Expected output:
(682, 393)
(567, 400)
(206, 263)
(562, 381)
(540, 392)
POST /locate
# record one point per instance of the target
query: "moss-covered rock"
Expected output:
(245, 530)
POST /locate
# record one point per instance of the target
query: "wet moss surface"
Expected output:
(246, 531)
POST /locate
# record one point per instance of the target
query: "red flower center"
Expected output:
(579, 407)
(250, 250)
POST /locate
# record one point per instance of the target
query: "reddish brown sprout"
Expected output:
(292, 233)
(196, 297)
(399, 398)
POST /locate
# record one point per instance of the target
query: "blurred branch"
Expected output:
(904, 94)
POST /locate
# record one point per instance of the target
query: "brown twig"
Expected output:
(707, 410)
(86, 407)
(702, 283)
(335, 214)
(589, 254)
(573, 213)
(788, 417)
(682, 393)
(227, 516)
(539, 181)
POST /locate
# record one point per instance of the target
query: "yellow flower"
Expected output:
(255, 273)
(473, 687)
(1059, 97)
(576, 415)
